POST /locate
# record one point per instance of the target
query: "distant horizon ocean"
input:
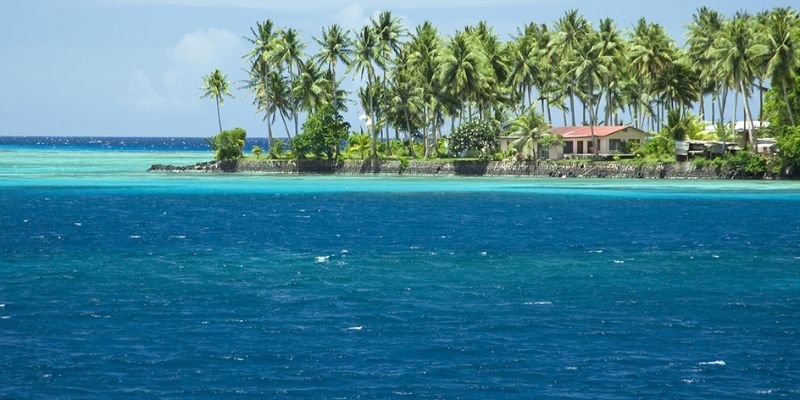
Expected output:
(116, 283)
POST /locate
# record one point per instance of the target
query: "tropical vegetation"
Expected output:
(228, 145)
(421, 83)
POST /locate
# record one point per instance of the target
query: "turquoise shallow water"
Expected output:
(115, 283)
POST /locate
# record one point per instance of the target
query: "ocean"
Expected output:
(116, 283)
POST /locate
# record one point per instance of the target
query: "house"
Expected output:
(611, 140)
(767, 146)
(553, 152)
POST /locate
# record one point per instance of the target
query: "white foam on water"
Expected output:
(5, 317)
(483, 253)
(321, 259)
(689, 381)
(2, 305)
(571, 368)
(135, 237)
(344, 251)
(355, 328)
(595, 251)
(538, 303)
(26, 221)
(716, 362)
(619, 261)
(714, 256)
(767, 391)
(178, 237)
(78, 224)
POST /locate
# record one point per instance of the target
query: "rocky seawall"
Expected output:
(463, 168)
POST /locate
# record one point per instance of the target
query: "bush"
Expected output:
(476, 135)
(322, 134)
(278, 148)
(228, 145)
(660, 148)
(789, 144)
(257, 151)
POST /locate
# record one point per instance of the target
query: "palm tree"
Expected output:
(365, 56)
(462, 69)
(704, 29)
(493, 92)
(528, 128)
(335, 46)
(651, 52)
(216, 85)
(311, 88)
(781, 51)
(263, 41)
(571, 29)
(424, 65)
(359, 144)
(278, 96)
(679, 86)
(389, 30)
(288, 53)
(735, 52)
(525, 56)
(406, 95)
(591, 66)
(611, 48)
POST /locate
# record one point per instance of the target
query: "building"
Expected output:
(611, 140)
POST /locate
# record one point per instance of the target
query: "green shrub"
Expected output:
(476, 135)
(403, 163)
(228, 145)
(322, 134)
(257, 151)
(660, 148)
(278, 148)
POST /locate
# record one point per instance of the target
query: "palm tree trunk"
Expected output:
(410, 138)
(388, 137)
(219, 118)
(285, 125)
(735, 106)
(269, 129)
(761, 98)
(788, 106)
(572, 102)
(749, 116)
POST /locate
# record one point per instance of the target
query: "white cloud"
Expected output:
(196, 54)
(351, 16)
(140, 93)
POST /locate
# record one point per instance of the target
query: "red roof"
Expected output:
(584, 131)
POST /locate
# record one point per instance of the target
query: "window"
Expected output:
(544, 152)
(568, 147)
(580, 146)
(615, 145)
(590, 147)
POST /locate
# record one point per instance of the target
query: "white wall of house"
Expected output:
(604, 143)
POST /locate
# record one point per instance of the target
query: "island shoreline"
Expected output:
(468, 168)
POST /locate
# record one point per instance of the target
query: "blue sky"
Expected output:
(133, 67)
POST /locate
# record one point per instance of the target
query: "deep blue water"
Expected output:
(116, 143)
(157, 286)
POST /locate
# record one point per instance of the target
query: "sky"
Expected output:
(134, 67)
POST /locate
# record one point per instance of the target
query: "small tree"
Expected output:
(322, 133)
(278, 149)
(475, 135)
(257, 151)
(228, 145)
(215, 85)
